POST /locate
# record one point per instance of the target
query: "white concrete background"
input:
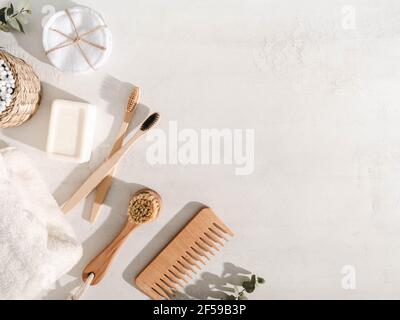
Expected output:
(323, 100)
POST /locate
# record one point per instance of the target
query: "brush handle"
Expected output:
(100, 264)
(100, 196)
(98, 175)
(104, 186)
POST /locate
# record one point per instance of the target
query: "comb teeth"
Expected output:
(186, 265)
(179, 270)
(193, 254)
(170, 284)
(205, 248)
(177, 275)
(160, 291)
(218, 233)
(225, 230)
(184, 256)
(189, 260)
(200, 252)
(213, 238)
(209, 243)
(160, 294)
(166, 289)
(174, 282)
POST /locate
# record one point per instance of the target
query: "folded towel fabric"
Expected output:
(37, 245)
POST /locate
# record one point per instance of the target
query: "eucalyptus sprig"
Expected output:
(14, 17)
(248, 286)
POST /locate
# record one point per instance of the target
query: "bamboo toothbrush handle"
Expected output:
(98, 175)
(100, 264)
(104, 186)
(100, 196)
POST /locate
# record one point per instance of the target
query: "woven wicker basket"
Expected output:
(26, 96)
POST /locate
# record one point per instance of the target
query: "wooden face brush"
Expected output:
(144, 207)
(104, 186)
(101, 172)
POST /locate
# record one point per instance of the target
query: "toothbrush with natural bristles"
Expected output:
(101, 172)
(104, 186)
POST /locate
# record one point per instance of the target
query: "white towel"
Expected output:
(37, 245)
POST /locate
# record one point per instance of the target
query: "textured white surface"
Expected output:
(324, 103)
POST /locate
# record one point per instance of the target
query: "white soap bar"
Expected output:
(71, 131)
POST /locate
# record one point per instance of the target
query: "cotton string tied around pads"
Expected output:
(77, 40)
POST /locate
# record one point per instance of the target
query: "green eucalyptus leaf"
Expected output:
(260, 280)
(3, 15)
(10, 10)
(230, 297)
(12, 19)
(250, 285)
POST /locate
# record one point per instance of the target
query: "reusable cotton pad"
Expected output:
(77, 40)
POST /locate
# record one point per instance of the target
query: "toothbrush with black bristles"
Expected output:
(101, 172)
(104, 186)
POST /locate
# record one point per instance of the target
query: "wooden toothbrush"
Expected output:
(144, 207)
(103, 170)
(104, 186)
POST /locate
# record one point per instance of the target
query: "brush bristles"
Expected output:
(143, 207)
(150, 122)
(133, 99)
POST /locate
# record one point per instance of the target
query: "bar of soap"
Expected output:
(71, 131)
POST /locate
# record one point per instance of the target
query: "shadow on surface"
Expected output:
(116, 93)
(209, 285)
(101, 237)
(31, 41)
(38, 125)
(163, 237)
(212, 286)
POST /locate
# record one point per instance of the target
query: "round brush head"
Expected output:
(144, 206)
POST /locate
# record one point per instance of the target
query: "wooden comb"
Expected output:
(170, 270)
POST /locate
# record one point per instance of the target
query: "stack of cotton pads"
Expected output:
(7, 85)
(77, 40)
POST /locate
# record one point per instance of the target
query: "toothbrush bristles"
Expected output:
(150, 121)
(133, 99)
